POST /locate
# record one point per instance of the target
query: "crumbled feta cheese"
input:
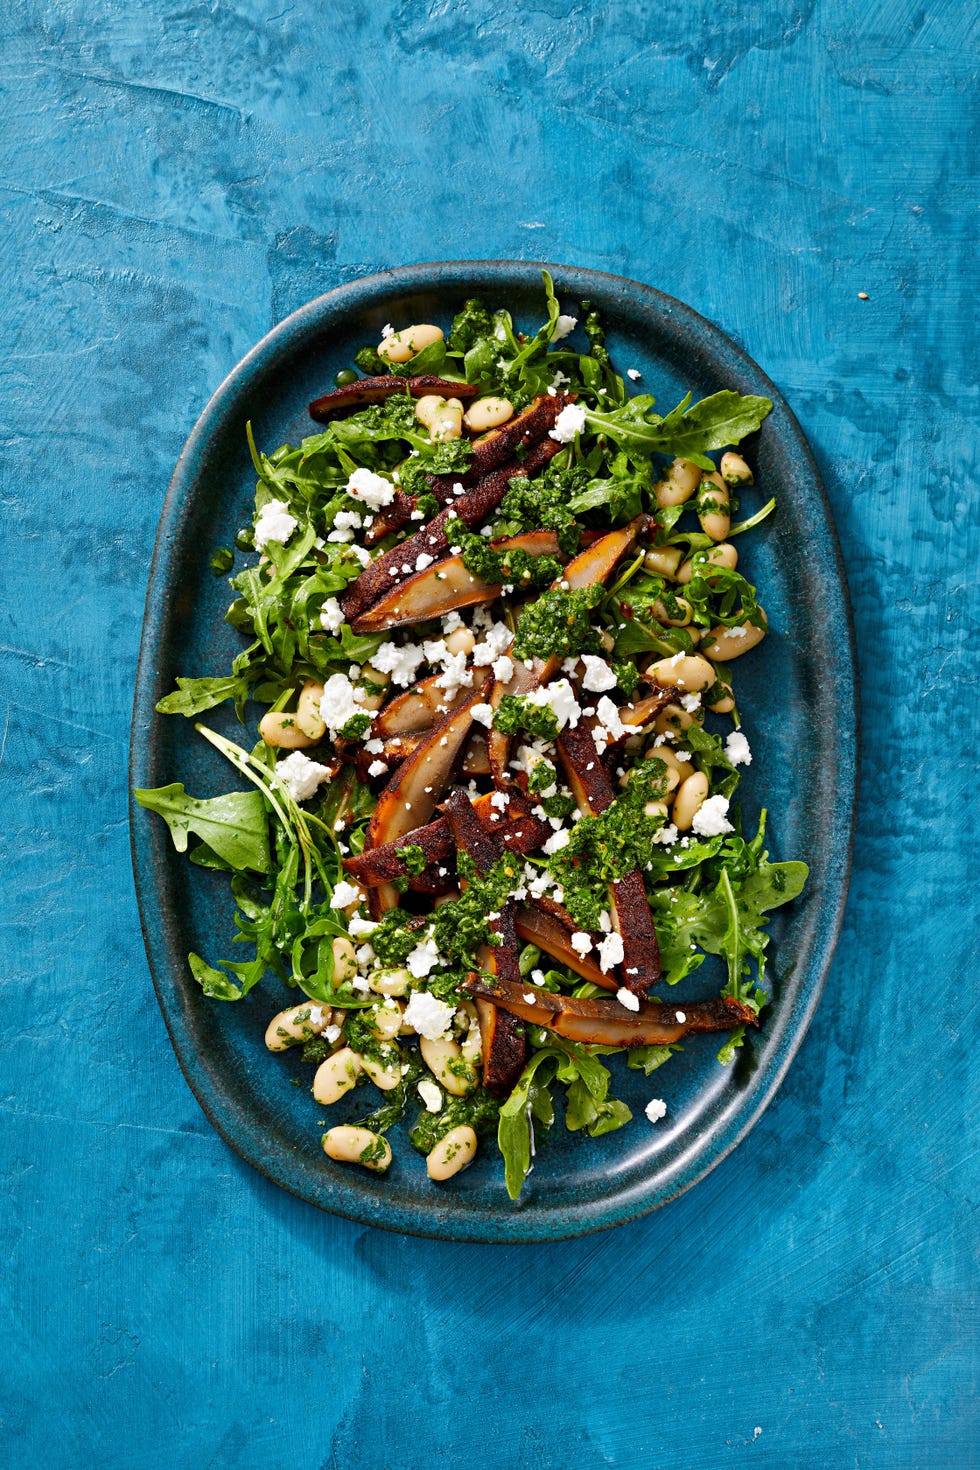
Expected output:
(560, 698)
(316, 1016)
(598, 675)
(667, 836)
(681, 1017)
(359, 927)
(400, 660)
(431, 1094)
(655, 1110)
(300, 775)
(611, 953)
(377, 768)
(739, 631)
(423, 958)
(345, 893)
(454, 674)
(374, 747)
(503, 668)
(627, 999)
(427, 1015)
(610, 726)
(633, 374)
(496, 640)
(737, 749)
(483, 714)
(373, 489)
(387, 331)
(331, 615)
(338, 704)
(690, 702)
(274, 524)
(556, 842)
(530, 997)
(570, 421)
(362, 554)
(564, 327)
(581, 942)
(500, 800)
(332, 1034)
(423, 560)
(711, 818)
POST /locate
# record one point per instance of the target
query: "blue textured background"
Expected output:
(174, 180)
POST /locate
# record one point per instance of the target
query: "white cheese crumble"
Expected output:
(564, 327)
(570, 421)
(343, 894)
(655, 1110)
(627, 999)
(423, 560)
(331, 615)
(359, 927)
(711, 818)
(611, 953)
(633, 374)
(690, 702)
(496, 640)
(503, 668)
(332, 1034)
(598, 675)
(427, 1015)
(373, 489)
(737, 749)
(401, 661)
(431, 1094)
(377, 768)
(274, 524)
(423, 958)
(560, 698)
(338, 703)
(300, 775)
(681, 1017)
(555, 843)
(581, 942)
(483, 714)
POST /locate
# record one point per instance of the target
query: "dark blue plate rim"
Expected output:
(241, 1132)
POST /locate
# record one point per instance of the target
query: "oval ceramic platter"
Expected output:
(796, 693)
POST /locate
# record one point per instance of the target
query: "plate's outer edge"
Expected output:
(151, 849)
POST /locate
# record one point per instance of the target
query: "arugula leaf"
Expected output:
(235, 826)
(687, 432)
(194, 696)
(214, 983)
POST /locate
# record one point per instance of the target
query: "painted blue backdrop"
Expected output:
(175, 178)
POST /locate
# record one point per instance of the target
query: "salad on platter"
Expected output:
(492, 609)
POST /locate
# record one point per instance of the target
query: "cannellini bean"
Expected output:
(725, 704)
(488, 413)
(471, 1042)
(427, 407)
(689, 799)
(689, 671)
(308, 710)
(735, 470)
(283, 732)
(452, 1154)
(385, 1019)
(349, 1145)
(674, 720)
(713, 507)
(663, 561)
(676, 770)
(344, 960)
(462, 641)
(664, 615)
(447, 422)
(683, 478)
(401, 346)
(386, 1074)
(390, 982)
(656, 809)
(336, 1076)
(445, 1061)
(295, 1024)
(371, 699)
(723, 644)
(723, 555)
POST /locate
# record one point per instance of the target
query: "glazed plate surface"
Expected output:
(798, 701)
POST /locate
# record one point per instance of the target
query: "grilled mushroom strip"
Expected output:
(489, 453)
(375, 390)
(535, 926)
(519, 830)
(411, 796)
(591, 566)
(385, 571)
(502, 1036)
(629, 909)
(602, 1022)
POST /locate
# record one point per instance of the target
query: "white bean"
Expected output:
(391, 982)
(282, 731)
(663, 561)
(665, 616)
(471, 1042)
(337, 1075)
(462, 641)
(723, 555)
(344, 960)
(690, 672)
(308, 710)
(385, 1074)
(689, 799)
(735, 470)
(403, 345)
(349, 1145)
(488, 413)
(713, 507)
(452, 1153)
(385, 1019)
(447, 422)
(683, 478)
(723, 644)
(673, 720)
(445, 1061)
(372, 699)
(297, 1023)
